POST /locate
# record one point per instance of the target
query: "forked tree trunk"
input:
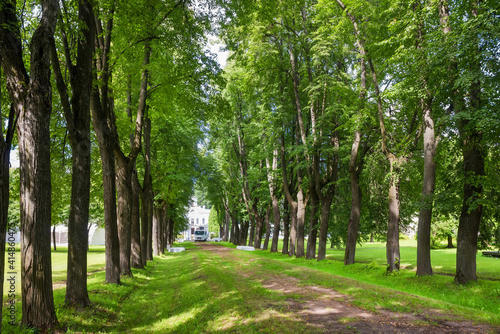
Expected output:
(100, 105)
(355, 166)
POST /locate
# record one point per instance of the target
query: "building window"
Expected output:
(197, 221)
(192, 220)
(203, 221)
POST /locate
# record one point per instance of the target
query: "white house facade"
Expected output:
(198, 219)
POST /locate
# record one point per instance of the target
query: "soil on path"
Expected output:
(332, 312)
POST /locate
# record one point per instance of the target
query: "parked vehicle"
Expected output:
(201, 235)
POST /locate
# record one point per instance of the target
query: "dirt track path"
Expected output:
(331, 312)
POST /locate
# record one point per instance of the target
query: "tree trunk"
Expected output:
(301, 217)
(326, 203)
(147, 197)
(100, 105)
(156, 231)
(424, 267)
(235, 231)
(5, 148)
(313, 226)
(393, 255)
(149, 249)
(252, 233)
(286, 229)
(268, 229)
(473, 155)
(54, 237)
(293, 228)
(244, 233)
(32, 100)
(354, 218)
(450, 241)
(136, 251)
(355, 167)
(124, 191)
(276, 223)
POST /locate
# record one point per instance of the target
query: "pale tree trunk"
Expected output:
(302, 196)
(425, 217)
(392, 248)
(156, 231)
(32, 101)
(424, 266)
(274, 200)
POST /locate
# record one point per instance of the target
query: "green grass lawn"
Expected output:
(195, 292)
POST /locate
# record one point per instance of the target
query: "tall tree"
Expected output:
(77, 115)
(101, 105)
(31, 96)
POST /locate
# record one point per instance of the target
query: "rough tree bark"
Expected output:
(5, 148)
(101, 105)
(274, 199)
(125, 167)
(355, 163)
(31, 97)
(286, 228)
(136, 249)
(77, 116)
(473, 156)
(268, 228)
(147, 197)
(424, 266)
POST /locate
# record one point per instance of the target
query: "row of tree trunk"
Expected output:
(131, 233)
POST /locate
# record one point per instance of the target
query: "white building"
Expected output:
(198, 219)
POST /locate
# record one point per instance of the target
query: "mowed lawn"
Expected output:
(194, 292)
